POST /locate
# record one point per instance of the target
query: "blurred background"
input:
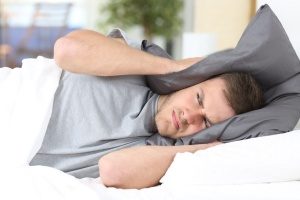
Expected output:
(184, 27)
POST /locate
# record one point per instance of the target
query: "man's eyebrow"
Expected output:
(203, 96)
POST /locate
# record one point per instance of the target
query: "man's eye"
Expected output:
(199, 99)
(207, 124)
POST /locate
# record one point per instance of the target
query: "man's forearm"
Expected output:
(140, 167)
(92, 53)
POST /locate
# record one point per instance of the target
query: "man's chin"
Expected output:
(165, 132)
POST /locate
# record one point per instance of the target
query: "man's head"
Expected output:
(195, 108)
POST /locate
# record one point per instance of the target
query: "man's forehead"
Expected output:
(217, 107)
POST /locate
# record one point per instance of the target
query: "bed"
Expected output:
(25, 112)
(257, 168)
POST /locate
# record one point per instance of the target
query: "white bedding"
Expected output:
(26, 104)
(46, 183)
(266, 159)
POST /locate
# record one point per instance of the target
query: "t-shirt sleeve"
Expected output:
(119, 33)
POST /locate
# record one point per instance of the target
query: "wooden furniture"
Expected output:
(49, 22)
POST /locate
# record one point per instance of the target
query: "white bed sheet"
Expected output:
(47, 183)
(26, 104)
(267, 191)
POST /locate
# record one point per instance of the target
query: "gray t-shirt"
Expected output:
(93, 116)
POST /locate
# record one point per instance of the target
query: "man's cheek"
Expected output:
(161, 126)
(165, 129)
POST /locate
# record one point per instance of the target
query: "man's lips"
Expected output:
(175, 120)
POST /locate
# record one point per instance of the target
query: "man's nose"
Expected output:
(193, 116)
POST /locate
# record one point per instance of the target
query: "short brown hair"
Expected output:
(243, 92)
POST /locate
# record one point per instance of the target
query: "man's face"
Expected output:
(193, 109)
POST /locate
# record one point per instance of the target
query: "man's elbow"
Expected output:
(64, 51)
(60, 51)
(110, 173)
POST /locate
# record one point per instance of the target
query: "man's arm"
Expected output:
(90, 52)
(141, 167)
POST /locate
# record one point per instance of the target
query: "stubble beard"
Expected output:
(161, 123)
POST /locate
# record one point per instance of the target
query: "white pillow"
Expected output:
(26, 99)
(273, 158)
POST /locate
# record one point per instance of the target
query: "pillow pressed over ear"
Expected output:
(265, 52)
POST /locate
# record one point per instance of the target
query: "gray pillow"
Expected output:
(265, 52)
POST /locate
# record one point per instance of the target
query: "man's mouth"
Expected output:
(175, 120)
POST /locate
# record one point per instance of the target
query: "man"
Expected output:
(98, 112)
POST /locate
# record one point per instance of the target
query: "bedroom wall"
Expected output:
(226, 19)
